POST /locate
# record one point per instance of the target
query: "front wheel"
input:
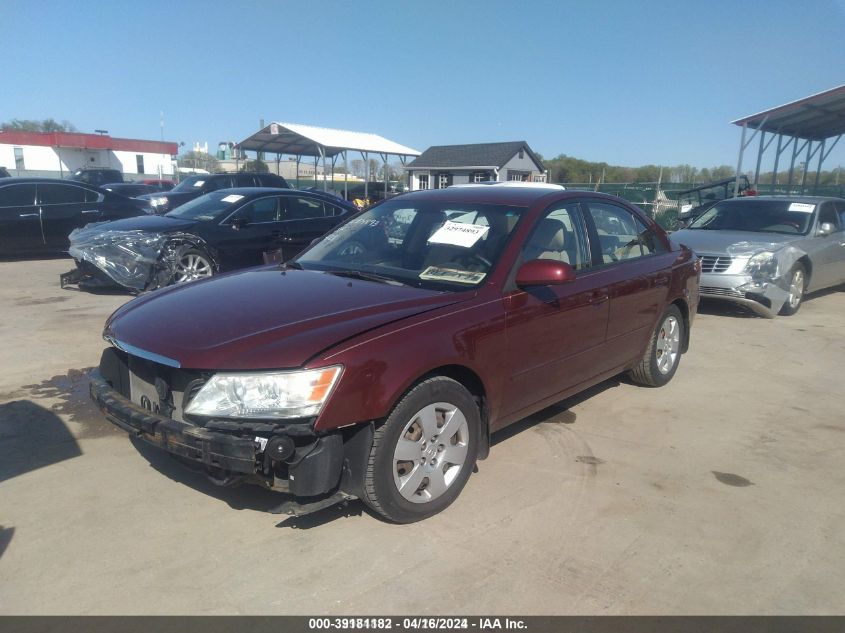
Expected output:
(424, 452)
(797, 285)
(661, 359)
(192, 264)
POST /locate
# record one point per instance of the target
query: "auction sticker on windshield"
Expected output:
(232, 198)
(199, 183)
(436, 273)
(802, 207)
(458, 234)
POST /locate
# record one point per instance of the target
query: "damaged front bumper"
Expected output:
(765, 297)
(232, 453)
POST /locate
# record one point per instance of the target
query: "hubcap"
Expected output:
(796, 289)
(668, 343)
(431, 452)
(192, 267)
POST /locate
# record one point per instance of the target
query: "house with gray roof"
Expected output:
(442, 165)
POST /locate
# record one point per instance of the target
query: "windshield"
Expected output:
(191, 183)
(433, 245)
(758, 216)
(212, 206)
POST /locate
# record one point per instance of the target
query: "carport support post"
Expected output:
(806, 164)
(819, 167)
(345, 177)
(297, 170)
(777, 160)
(366, 157)
(760, 151)
(316, 159)
(323, 156)
(739, 159)
(384, 158)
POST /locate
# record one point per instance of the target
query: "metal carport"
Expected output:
(322, 143)
(808, 123)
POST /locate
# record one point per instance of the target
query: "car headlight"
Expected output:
(161, 201)
(284, 394)
(762, 264)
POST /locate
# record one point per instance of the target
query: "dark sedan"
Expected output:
(377, 364)
(198, 185)
(220, 231)
(38, 214)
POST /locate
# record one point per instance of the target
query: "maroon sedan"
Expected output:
(377, 364)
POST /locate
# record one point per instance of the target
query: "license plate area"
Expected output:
(150, 389)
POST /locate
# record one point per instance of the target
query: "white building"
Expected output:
(61, 153)
(443, 165)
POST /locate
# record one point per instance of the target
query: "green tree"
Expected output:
(198, 160)
(255, 165)
(32, 125)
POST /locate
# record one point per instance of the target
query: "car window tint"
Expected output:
(263, 210)
(245, 180)
(303, 208)
(559, 235)
(618, 232)
(224, 182)
(827, 213)
(840, 210)
(60, 194)
(17, 196)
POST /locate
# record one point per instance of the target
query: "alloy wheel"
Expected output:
(796, 289)
(192, 266)
(430, 452)
(668, 343)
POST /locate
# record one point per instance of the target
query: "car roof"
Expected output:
(513, 196)
(49, 181)
(784, 197)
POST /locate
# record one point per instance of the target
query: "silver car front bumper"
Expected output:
(764, 297)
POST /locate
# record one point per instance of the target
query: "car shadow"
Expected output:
(557, 413)
(6, 535)
(242, 497)
(32, 437)
(729, 309)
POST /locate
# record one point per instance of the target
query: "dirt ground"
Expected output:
(719, 493)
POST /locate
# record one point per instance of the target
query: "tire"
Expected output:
(797, 286)
(192, 264)
(408, 476)
(661, 359)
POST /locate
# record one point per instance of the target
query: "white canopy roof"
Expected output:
(308, 140)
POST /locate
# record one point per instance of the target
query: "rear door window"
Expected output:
(61, 194)
(17, 196)
(621, 235)
(303, 208)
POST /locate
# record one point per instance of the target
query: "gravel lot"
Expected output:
(719, 493)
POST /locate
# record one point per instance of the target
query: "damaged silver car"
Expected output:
(766, 253)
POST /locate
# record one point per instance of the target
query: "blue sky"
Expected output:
(629, 83)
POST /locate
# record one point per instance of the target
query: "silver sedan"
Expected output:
(765, 253)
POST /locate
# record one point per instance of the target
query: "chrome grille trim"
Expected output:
(715, 263)
(721, 292)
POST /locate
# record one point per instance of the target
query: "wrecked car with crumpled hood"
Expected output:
(220, 231)
(766, 253)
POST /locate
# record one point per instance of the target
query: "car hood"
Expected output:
(734, 242)
(262, 318)
(149, 224)
(171, 195)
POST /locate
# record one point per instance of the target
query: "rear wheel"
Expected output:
(424, 453)
(661, 359)
(193, 264)
(797, 285)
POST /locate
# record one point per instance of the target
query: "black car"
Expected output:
(130, 189)
(220, 231)
(37, 214)
(97, 176)
(195, 186)
(4, 173)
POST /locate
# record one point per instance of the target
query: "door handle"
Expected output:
(28, 215)
(597, 298)
(91, 211)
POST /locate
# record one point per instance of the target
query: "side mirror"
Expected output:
(826, 228)
(544, 272)
(239, 223)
